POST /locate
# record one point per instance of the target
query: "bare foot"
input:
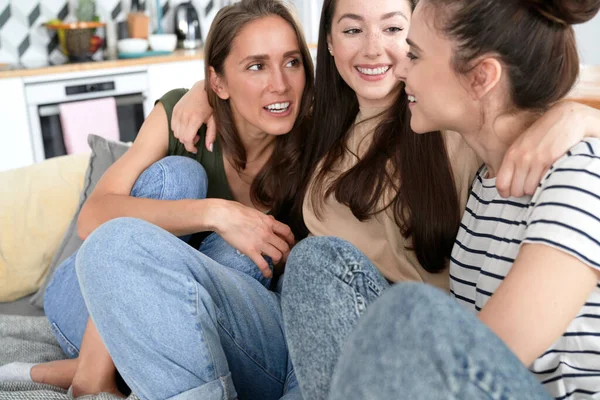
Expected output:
(57, 373)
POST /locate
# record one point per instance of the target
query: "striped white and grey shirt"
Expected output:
(564, 213)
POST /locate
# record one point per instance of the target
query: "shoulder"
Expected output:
(169, 99)
(564, 210)
(578, 169)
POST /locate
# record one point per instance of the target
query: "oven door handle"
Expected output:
(52, 109)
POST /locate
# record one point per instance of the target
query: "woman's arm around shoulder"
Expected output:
(558, 265)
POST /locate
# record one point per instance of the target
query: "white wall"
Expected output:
(588, 40)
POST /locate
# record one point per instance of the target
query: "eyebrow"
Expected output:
(413, 44)
(265, 57)
(383, 17)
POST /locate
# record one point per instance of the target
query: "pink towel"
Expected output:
(78, 119)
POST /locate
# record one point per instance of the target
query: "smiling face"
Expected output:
(439, 97)
(263, 78)
(367, 39)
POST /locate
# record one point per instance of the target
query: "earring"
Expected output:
(330, 51)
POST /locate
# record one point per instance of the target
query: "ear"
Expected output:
(484, 76)
(218, 84)
(329, 45)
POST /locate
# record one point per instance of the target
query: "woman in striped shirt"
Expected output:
(528, 268)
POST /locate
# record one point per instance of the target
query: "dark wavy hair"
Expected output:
(277, 183)
(415, 169)
(538, 49)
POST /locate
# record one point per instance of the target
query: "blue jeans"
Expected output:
(171, 178)
(416, 342)
(179, 325)
(328, 285)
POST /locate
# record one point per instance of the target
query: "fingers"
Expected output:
(283, 231)
(262, 264)
(211, 133)
(280, 246)
(504, 178)
(533, 179)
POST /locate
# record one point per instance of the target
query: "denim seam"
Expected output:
(249, 356)
(352, 274)
(164, 179)
(287, 379)
(466, 375)
(197, 300)
(70, 346)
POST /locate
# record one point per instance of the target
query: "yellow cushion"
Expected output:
(37, 204)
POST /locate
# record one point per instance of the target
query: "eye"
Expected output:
(411, 56)
(294, 63)
(394, 29)
(352, 31)
(255, 67)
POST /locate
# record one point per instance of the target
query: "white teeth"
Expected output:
(278, 107)
(373, 71)
(412, 98)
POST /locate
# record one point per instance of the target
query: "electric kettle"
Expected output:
(187, 26)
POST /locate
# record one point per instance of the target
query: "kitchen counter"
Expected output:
(176, 56)
(587, 90)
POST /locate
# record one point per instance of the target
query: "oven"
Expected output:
(43, 97)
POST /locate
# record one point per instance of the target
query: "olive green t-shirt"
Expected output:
(212, 162)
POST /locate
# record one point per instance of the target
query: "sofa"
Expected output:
(39, 206)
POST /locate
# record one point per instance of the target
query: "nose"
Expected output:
(374, 46)
(401, 69)
(278, 82)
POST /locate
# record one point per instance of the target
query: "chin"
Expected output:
(418, 127)
(278, 130)
(378, 95)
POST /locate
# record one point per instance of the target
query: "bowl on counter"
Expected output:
(163, 42)
(131, 46)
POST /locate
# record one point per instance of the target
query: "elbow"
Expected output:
(84, 223)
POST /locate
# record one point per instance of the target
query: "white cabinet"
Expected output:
(16, 149)
(168, 76)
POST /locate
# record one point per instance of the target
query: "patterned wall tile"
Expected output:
(23, 37)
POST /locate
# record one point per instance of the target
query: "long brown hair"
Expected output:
(414, 168)
(279, 180)
(538, 49)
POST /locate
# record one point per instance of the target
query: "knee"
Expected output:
(173, 178)
(99, 257)
(321, 254)
(417, 309)
(187, 176)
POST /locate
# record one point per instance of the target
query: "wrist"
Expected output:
(211, 214)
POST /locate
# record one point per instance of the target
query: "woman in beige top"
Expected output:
(383, 203)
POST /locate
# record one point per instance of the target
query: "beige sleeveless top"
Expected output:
(379, 238)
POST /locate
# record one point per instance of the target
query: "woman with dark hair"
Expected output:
(383, 204)
(177, 322)
(524, 271)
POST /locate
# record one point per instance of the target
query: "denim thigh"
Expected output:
(177, 323)
(171, 178)
(416, 342)
(328, 285)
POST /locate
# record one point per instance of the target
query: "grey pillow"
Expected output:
(104, 154)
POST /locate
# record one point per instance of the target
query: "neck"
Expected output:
(494, 138)
(258, 145)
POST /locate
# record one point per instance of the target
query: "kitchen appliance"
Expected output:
(44, 94)
(187, 26)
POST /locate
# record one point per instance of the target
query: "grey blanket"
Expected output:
(29, 339)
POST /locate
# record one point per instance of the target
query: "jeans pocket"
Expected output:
(70, 350)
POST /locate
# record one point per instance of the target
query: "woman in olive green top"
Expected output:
(260, 81)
